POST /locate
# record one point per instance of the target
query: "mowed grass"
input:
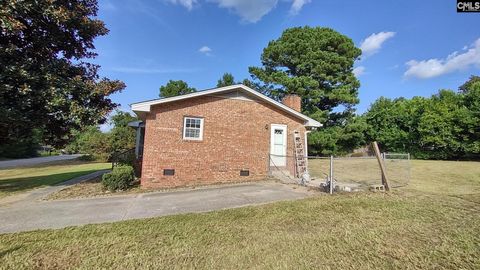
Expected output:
(15, 180)
(364, 171)
(434, 223)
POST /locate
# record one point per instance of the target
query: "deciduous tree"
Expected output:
(46, 83)
(443, 126)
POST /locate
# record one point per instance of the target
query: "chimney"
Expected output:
(293, 101)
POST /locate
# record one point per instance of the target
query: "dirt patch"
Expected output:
(93, 188)
(90, 188)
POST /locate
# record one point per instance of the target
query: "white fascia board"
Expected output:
(146, 105)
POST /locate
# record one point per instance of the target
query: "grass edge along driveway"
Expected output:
(431, 224)
(20, 179)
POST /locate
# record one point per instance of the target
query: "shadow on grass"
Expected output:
(7, 251)
(24, 183)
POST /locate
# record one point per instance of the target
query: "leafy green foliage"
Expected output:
(122, 136)
(444, 126)
(45, 82)
(23, 146)
(175, 88)
(101, 146)
(317, 64)
(92, 142)
(338, 139)
(121, 178)
(470, 84)
(226, 80)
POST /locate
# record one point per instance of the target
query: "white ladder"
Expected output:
(300, 160)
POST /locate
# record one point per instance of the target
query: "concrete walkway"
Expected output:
(34, 161)
(31, 196)
(31, 213)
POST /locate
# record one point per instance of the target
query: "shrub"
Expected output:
(120, 178)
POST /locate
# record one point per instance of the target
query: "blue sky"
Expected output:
(411, 48)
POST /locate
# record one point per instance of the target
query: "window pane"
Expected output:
(192, 127)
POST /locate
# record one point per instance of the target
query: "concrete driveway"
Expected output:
(30, 214)
(34, 161)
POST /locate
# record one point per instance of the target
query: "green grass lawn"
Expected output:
(16, 180)
(433, 223)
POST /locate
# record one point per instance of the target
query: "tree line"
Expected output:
(445, 125)
(51, 94)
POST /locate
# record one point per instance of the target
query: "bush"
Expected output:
(120, 178)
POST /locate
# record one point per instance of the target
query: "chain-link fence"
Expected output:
(398, 168)
(349, 173)
(283, 168)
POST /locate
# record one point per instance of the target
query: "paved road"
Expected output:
(34, 161)
(31, 213)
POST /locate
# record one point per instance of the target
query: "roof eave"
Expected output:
(145, 107)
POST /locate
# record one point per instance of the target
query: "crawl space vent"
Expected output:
(168, 172)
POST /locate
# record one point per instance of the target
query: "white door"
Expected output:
(278, 145)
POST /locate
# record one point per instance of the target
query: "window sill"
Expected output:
(193, 141)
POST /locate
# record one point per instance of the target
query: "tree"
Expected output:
(122, 137)
(175, 88)
(101, 146)
(317, 64)
(471, 122)
(226, 80)
(121, 119)
(393, 123)
(443, 126)
(470, 84)
(46, 85)
(338, 139)
(93, 142)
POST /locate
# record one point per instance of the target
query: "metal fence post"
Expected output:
(331, 174)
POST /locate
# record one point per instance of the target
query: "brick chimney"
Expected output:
(293, 101)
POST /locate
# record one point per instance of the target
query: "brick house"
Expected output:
(220, 135)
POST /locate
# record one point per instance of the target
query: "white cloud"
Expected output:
(358, 71)
(434, 67)
(249, 10)
(186, 3)
(297, 5)
(373, 43)
(205, 50)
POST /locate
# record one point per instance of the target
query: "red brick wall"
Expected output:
(236, 136)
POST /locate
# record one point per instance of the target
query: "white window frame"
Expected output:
(200, 138)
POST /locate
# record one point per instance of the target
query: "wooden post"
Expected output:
(382, 166)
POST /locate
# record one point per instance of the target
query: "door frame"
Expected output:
(279, 161)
